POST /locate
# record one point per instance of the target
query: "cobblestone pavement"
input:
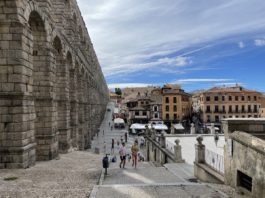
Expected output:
(74, 175)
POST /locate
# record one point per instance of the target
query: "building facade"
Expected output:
(262, 108)
(52, 91)
(176, 104)
(228, 102)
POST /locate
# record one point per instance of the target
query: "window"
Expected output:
(156, 115)
(175, 99)
(249, 98)
(216, 108)
(136, 113)
(175, 116)
(255, 109)
(230, 98)
(155, 108)
(223, 98)
(230, 108)
(243, 98)
(223, 109)
(167, 100)
(208, 98)
(244, 181)
(175, 107)
(144, 113)
(236, 98)
(215, 98)
(236, 108)
(255, 98)
(208, 109)
(142, 103)
(216, 118)
(167, 116)
(249, 116)
(243, 108)
(249, 108)
(167, 108)
(243, 116)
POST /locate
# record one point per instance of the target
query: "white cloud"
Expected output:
(259, 42)
(127, 85)
(139, 34)
(201, 80)
(241, 44)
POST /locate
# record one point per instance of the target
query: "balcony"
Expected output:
(208, 111)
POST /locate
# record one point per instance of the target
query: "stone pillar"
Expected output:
(200, 151)
(17, 140)
(172, 129)
(192, 129)
(212, 128)
(177, 152)
(163, 140)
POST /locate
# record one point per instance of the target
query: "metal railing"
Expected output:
(214, 160)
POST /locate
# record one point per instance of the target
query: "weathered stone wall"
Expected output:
(245, 152)
(52, 91)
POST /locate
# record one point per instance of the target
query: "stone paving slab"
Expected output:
(181, 170)
(74, 175)
(159, 191)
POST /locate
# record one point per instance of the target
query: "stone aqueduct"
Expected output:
(53, 94)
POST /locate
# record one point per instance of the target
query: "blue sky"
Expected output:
(198, 44)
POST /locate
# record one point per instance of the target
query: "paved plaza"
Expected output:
(73, 175)
(147, 180)
(79, 174)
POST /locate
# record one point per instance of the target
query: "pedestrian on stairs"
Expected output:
(135, 150)
(122, 153)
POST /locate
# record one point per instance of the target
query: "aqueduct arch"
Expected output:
(45, 92)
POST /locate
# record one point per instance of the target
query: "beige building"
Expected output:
(176, 104)
(262, 107)
(229, 102)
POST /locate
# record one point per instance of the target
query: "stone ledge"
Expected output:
(211, 173)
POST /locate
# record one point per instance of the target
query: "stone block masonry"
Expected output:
(53, 93)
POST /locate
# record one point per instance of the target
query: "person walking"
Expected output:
(112, 146)
(126, 137)
(122, 153)
(135, 150)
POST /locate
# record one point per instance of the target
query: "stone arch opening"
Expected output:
(42, 89)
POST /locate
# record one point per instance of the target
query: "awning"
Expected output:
(116, 110)
(178, 126)
(159, 127)
(118, 121)
(137, 126)
(215, 128)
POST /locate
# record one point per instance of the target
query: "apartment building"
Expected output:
(229, 102)
(176, 104)
(262, 108)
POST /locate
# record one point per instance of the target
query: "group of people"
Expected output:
(134, 154)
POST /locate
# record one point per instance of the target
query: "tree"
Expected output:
(118, 91)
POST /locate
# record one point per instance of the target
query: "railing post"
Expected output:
(163, 140)
(178, 156)
(200, 151)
